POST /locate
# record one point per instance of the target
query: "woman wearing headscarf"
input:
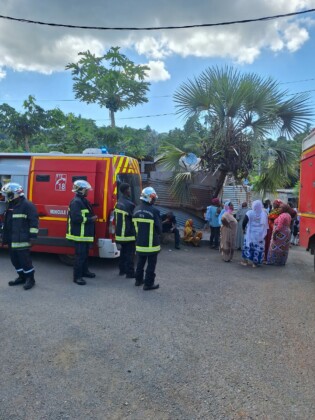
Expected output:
(241, 213)
(255, 223)
(228, 232)
(190, 235)
(272, 216)
(280, 238)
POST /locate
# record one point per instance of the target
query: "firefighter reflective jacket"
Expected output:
(80, 225)
(125, 230)
(20, 224)
(147, 221)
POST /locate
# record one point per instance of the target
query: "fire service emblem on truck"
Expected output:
(61, 182)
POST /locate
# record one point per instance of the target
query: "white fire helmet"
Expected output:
(12, 190)
(148, 195)
(81, 187)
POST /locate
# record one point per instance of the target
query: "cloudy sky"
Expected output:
(33, 57)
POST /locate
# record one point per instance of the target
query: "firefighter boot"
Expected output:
(149, 282)
(30, 281)
(139, 277)
(80, 282)
(139, 280)
(20, 280)
(88, 274)
(151, 287)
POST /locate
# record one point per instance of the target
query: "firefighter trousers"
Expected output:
(126, 259)
(22, 261)
(150, 270)
(81, 255)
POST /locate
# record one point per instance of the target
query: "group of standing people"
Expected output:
(263, 235)
(137, 229)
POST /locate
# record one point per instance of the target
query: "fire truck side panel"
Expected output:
(48, 181)
(50, 189)
(307, 196)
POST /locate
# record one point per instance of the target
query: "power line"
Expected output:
(140, 116)
(156, 28)
(296, 81)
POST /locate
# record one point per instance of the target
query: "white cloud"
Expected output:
(46, 49)
(295, 37)
(157, 71)
(2, 73)
(152, 47)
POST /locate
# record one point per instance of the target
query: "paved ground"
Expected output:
(216, 341)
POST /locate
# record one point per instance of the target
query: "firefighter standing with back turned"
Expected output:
(148, 229)
(125, 232)
(80, 230)
(19, 230)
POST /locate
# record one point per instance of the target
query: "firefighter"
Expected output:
(148, 229)
(125, 232)
(19, 231)
(80, 230)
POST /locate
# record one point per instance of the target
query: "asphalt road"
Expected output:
(216, 341)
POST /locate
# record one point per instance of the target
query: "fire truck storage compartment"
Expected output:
(52, 181)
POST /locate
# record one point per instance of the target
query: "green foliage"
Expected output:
(241, 111)
(22, 128)
(278, 163)
(77, 134)
(118, 86)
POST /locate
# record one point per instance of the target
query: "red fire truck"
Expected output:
(307, 194)
(47, 180)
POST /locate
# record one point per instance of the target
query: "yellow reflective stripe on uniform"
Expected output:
(80, 238)
(123, 225)
(33, 230)
(19, 216)
(151, 223)
(148, 248)
(83, 212)
(135, 225)
(125, 238)
(121, 211)
(69, 222)
(20, 244)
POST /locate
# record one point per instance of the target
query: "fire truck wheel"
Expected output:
(66, 259)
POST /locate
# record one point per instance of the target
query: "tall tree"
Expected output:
(118, 86)
(241, 111)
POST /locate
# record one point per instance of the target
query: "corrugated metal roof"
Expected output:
(182, 216)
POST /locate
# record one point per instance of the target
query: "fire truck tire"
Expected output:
(314, 261)
(66, 259)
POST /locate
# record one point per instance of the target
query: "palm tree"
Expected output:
(241, 111)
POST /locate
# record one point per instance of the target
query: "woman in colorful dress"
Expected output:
(228, 232)
(280, 238)
(256, 224)
(272, 216)
(190, 234)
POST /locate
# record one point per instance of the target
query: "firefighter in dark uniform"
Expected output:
(19, 230)
(125, 232)
(80, 230)
(147, 222)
